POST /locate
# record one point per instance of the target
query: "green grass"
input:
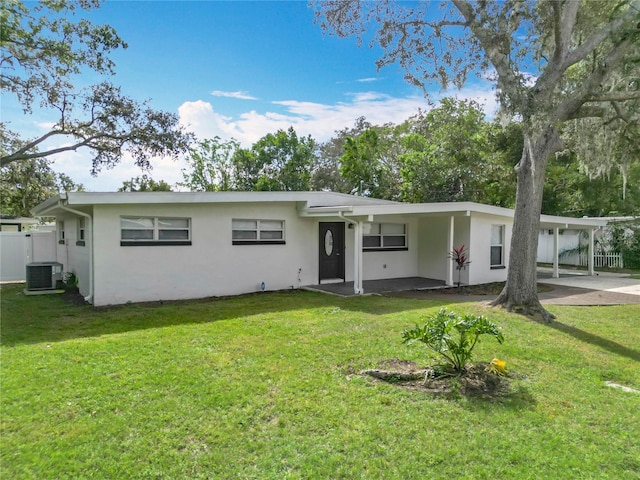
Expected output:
(259, 387)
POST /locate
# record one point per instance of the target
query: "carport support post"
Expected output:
(556, 233)
(359, 287)
(450, 249)
(591, 252)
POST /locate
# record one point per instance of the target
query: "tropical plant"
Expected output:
(453, 336)
(460, 257)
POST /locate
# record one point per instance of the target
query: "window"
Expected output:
(146, 231)
(497, 246)
(60, 228)
(257, 232)
(384, 236)
(80, 233)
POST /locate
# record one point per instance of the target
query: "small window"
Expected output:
(60, 228)
(384, 236)
(497, 246)
(254, 232)
(80, 240)
(146, 231)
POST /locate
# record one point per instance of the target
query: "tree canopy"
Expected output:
(280, 161)
(23, 185)
(43, 54)
(144, 183)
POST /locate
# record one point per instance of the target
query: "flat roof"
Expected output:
(313, 204)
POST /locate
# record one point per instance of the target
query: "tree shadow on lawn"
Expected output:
(592, 339)
(55, 318)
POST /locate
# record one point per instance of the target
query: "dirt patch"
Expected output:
(74, 297)
(474, 381)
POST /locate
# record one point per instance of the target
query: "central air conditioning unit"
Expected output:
(43, 275)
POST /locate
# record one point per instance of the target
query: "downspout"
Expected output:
(88, 298)
(357, 255)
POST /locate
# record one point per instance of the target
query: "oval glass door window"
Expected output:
(328, 243)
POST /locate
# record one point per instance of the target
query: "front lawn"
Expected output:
(266, 387)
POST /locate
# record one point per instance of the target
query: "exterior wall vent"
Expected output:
(43, 275)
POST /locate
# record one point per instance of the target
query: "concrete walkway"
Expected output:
(560, 295)
(572, 288)
(605, 281)
(577, 288)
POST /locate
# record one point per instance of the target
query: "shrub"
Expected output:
(453, 336)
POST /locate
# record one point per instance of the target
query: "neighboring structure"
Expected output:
(11, 223)
(146, 246)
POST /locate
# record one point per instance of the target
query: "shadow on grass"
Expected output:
(52, 318)
(502, 395)
(518, 398)
(592, 339)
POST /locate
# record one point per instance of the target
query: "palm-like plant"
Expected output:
(453, 336)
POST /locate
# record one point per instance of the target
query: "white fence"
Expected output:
(600, 260)
(17, 249)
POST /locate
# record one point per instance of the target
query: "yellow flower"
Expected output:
(497, 367)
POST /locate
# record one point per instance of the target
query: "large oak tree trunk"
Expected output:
(520, 293)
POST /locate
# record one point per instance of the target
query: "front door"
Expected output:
(331, 243)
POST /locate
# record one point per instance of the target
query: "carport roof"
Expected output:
(447, 208)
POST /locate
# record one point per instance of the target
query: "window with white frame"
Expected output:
(257, 232)
(497, 246)
(80, 231)
(384, 236)
(60, 228)
(139, 231)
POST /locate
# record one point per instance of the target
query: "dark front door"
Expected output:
(331, 243)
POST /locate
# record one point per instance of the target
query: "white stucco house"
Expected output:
(147, 246)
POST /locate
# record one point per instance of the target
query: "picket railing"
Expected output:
(603, 260)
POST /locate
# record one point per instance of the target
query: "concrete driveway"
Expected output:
(578, 288)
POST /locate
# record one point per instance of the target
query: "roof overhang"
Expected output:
(552, 221)
(412, 209)
(49, 207)
(308, 204)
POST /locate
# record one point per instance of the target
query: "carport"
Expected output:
(589, 225)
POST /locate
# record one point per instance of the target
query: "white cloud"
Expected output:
(77, 165)
(200, 118)
(45, 125)
(307, 118)
(368, 80)
(238, 94)
(317, 119)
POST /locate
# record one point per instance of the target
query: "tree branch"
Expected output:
(614, 97)
(596, 39)
(497, 57)
(22, 155)
(571, 105)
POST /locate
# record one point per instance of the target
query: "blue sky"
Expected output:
(239, 69)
